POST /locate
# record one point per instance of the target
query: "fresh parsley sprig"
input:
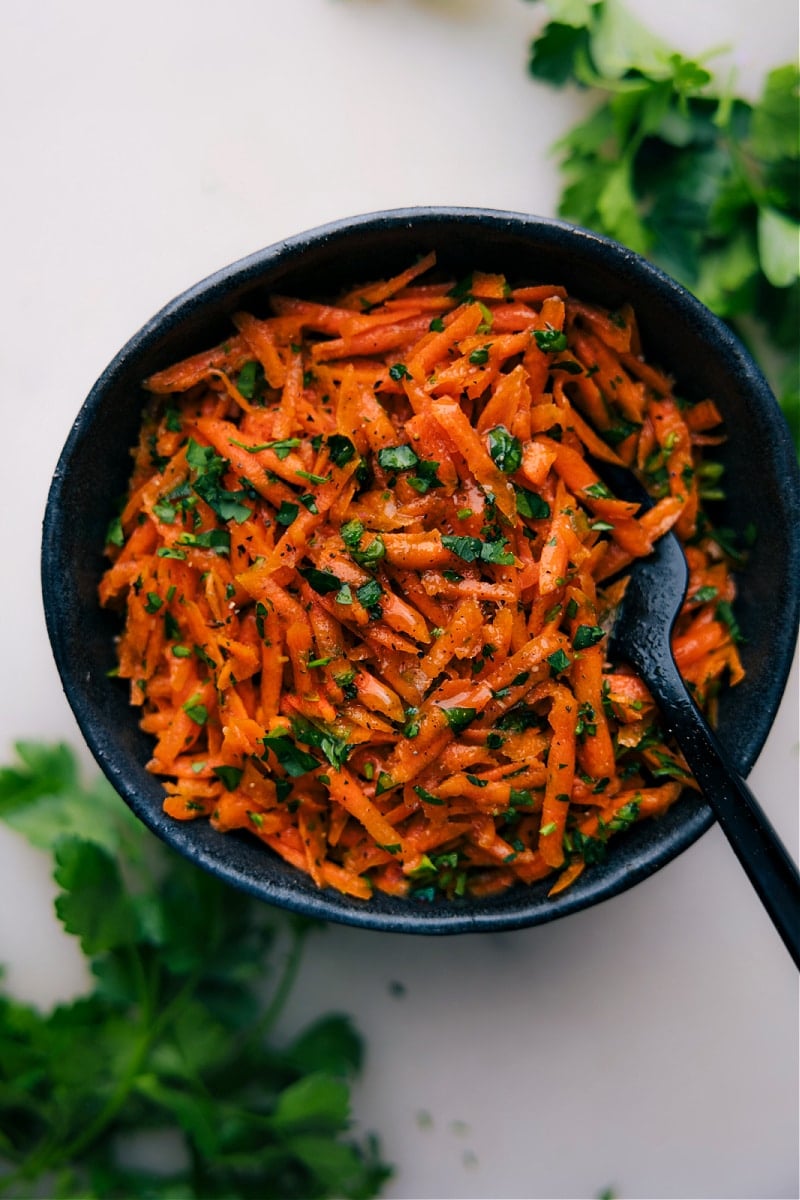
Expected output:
(175, 1034)
(673, 165)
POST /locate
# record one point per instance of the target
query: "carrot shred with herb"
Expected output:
(366, 568)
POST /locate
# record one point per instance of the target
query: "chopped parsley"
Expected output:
(209, 467)
(352, 533)
(371, 555)
(559, 661)
(287, 512)
(369, 595)
(459, 718)
(598, 491)
(195, 710)
(115, 535)
(322, 582)
(397, 458)
(230, 776)
(531, 505)
(313, 478)
(425, 477)
(282, 448)
(340, 449)
(587, 635)
(250, 381)
(209, 539)
(335, 748)
(295, 762)
(427, 796)
(550, 340)
(724, 612)
(505, 449)
(472, 549)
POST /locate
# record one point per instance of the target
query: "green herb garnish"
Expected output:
(459, 718)
(558, 660)
(340, 449)
(250, 381)
(321, 581)
(676, 166)
(335, 748)
(287, 512)
(550, 340)
(369, 595)
(505, 449)
(587, 635)
(397, 458)
(472, 549)
(176, 1035)
(230, 776)
(531, 505)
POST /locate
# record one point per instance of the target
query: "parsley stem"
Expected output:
(152, 1027)
(283, 988)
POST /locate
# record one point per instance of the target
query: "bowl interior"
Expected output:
(762, 485)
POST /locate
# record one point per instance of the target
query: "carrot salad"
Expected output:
(367, 565)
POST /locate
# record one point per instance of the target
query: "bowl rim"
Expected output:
(247, 271)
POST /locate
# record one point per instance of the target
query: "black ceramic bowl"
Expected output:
(678, 333)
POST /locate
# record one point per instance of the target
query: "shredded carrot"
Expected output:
(365, 569)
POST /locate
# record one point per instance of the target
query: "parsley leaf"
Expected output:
(369, 595)
(397, 458)
(209, 539)
(550, 340)
(425, 477)
(678, 168)
(282, 447)
(587, 635)
(459, 718)
(335, 749)
(176, 1035)
(250, 381)
(209, 468)
(352, 533)
(372, 554)
(505, 449)
(497, 552)
(472, 549)
(115, 535)
(530, 504)
(468, 548)
(230, 776)
(321, 581)
(287, 512)
(340, 449)
(294, 761)
(93, 903)
(559, 661)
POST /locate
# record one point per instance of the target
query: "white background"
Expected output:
(651, 1044)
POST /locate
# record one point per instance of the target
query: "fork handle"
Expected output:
(761, 852)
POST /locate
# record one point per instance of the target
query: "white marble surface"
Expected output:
(650, 1045)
